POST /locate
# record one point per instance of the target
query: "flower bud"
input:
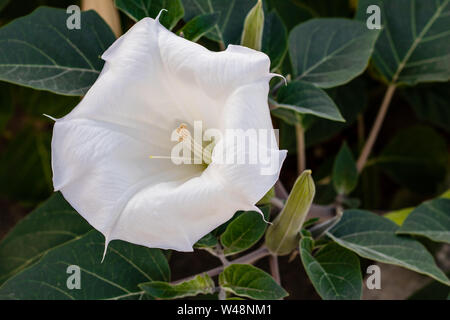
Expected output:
(253, 27)
(283, 235)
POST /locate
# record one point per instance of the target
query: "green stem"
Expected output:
(367, 149)
(301, 156)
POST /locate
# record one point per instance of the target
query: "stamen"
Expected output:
(204, 154)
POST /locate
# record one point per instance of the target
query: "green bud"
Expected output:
(253, 27)
(283, 235)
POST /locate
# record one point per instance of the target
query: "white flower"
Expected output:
(152, 82)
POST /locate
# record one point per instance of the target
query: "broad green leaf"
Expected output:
(199, 26)
(52, 224)
(124, 268)
(207, 241)
(140, 9)
(274, 40)
(27, 153)
(201, 284)
(293, 12)
(351, 99)
(431, 219)
(232, 15)
(398, 216)
(446, 194)
(248, 281)
(39, 51)
(334, 271)
(267, 197)
(3, 4)
(373, 237)
(329, 52)
(414, 45)
(345, 173)
(305, 98)
(415, 158)
(326, 8)
(27, 157)
(430, 103)
(244, 231)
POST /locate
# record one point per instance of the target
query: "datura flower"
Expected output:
(111, 155)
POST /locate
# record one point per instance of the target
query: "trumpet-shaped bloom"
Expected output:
(152, 82)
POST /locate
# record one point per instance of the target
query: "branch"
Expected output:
(376, 127)
(301, 156)
(274, 268)
(247, 259)
(107, 10)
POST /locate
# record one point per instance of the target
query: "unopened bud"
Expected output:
(283, 235)
(253, 27)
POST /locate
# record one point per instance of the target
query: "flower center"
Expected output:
(193, 150)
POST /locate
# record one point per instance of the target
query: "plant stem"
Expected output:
(107, 10)
(247, 259)
(280, 190)
(277, 202)
(274, 268)
(301, 158)
(376, 127)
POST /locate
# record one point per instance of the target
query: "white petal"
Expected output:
(153, 81)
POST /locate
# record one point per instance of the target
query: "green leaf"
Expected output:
(431, 219)
(351, 99)
(27, 157)
(3, 4)
(414, 45)
(244, 231)
(398, 216)
(267, 197)
(305, 98)
(199, 26)
(274, 40)
(232, 15)
(326, 8)
(373, 237)
(345, 173)
(293, 11)
(207, 241)
(52, 224)
(39, 51)
(415, 158)
(248, 281)
(201, 284)
(334, 271)
(330, 51)
(430, 103)
(124, 268)
(140, 9)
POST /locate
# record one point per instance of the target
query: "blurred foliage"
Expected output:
(409, 163)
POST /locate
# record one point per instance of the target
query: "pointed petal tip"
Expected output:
(159, 14)
(279, 76)
(105, 250)
(50, 117)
